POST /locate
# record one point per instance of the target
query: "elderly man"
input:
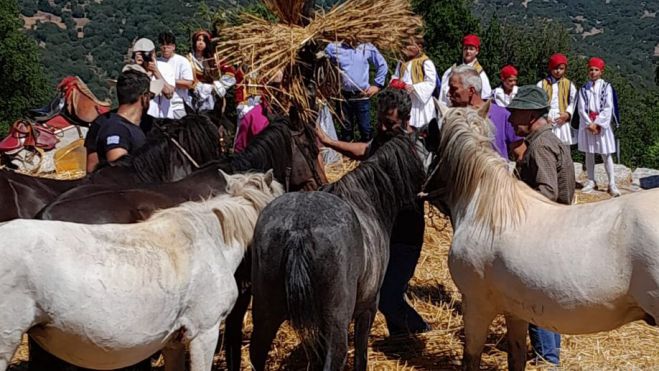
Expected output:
(394, 108)
(471, 46)
(546, 167)
(465, 91)
(357, 89)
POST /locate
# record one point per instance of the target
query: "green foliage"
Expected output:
(23, 85)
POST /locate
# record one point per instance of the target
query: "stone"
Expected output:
(645, 178)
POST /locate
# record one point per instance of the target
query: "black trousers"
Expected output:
(405, 250)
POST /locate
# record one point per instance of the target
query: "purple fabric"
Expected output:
(504, 132)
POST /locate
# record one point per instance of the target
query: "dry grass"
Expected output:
(433, 294)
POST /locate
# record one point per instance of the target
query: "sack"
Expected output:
(326, 123)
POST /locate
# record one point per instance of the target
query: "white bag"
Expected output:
(327, 124)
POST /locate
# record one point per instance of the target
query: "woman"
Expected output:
(210, 82)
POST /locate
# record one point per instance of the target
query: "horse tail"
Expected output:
(302, 301)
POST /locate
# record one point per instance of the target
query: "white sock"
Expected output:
(590, 166)
(608, 165)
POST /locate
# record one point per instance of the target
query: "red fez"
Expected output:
(596, 62)
(507, 71)
(472, 40)
(556, 60)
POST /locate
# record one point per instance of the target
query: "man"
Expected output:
(465, 91)
(183, 77)
(418, 77)
(119, 132)
(144, 55)
(356, 87)
(471, 46)
(407, 236)
(546, 167)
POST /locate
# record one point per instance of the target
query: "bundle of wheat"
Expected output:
(267, 49)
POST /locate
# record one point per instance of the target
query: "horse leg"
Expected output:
(335, 337)
(265, 327)
(14, 321)
(363, 323)
(233, 326)
(174, 355)
(516, 334)
(202, 349)
(477, 318)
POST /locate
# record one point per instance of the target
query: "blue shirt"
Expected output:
(354, 62)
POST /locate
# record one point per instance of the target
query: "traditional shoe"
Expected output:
(588, 187)
(613, 191)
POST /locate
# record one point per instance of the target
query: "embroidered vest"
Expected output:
(563, 92)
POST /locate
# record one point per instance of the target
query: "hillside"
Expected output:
(89, 38)
(625, 33)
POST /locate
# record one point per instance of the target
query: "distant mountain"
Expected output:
(625, 33)
(90, 38)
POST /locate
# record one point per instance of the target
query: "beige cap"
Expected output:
(143, 45)
(155, 86)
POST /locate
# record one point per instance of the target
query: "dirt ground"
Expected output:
(432, 292)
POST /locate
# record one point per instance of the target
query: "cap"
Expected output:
(529, 97)
(507, 71)
(143, 45)
(155, 86)
(596, 62)
(471, 40)
(556, 60)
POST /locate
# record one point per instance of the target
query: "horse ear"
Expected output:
(485, 109)
(221, 218)
(223, 175)
(441, 108)
(269, 177)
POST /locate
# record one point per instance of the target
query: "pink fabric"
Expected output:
(250, 126)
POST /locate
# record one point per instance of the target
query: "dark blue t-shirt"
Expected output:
(115, 131)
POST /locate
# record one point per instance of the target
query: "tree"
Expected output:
(23, 84)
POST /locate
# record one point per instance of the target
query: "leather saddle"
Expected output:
(49, 111)
(25, 134)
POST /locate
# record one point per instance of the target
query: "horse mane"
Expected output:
(153, 162)
(391, 176)
(68, 82)
(270, 149)
(237, 211)
(473, 171)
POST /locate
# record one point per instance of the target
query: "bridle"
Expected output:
(178, 146)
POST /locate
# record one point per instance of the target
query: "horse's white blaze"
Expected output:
(107, 296)
(572, 269)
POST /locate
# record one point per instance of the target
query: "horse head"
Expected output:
(306, 170)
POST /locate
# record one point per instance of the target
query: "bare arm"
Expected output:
(115, 153)
(356, 151)
(184, 84)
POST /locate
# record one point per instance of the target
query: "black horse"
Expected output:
(319, 258)
(274, 148)
(159, 160)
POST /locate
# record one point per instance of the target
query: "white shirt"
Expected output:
(160, 106)
(501, 98)
(182, 71)
(565, 132)
(423, 106)
(590, 100)
(486, 89)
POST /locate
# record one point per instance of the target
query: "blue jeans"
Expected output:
(356, 111)
(405, 250)
(546, 344)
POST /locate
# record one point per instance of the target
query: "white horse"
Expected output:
(571, 269)
(108, 296)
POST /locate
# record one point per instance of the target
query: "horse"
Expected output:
(515, 253)
(319, 258)
(159, 160)
(161, 284)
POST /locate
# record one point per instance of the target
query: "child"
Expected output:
(595, 131)
(562, 98)
(503, 94)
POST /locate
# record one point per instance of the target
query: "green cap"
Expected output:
(529, 97)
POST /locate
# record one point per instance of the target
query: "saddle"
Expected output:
(25, 134)
(49, 111)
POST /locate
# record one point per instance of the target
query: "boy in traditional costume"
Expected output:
(505, 93)
(471, 46)
(596, 111)
(562, 94)
(210, 82)
(418, 76)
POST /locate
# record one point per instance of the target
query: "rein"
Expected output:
(178, 145)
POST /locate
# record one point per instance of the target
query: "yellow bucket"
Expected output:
(71, 158)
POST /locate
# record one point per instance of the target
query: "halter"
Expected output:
(179, 146)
